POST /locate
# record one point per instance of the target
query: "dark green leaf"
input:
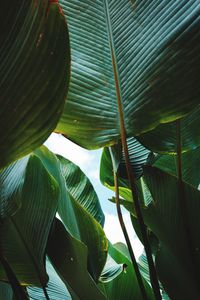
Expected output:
(78, 205)
(18, 290)
(24, 235)
(163, 217)
(69, 257)
(125, 286)
(190, 165)
(138, 157)
(81, 189)
(74, 209)
(11, 184)
(154, 48)
(163, 139)
(34, 49)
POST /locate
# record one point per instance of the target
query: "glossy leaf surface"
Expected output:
(77, 208)
(125, 286)
(147, 55)
(81, 224)
(24, 235)
(34, 48)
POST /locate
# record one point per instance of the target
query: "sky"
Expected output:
(89, 162)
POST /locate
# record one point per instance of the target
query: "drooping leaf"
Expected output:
(69, 257)
(56, 289)
(111, 270)
(138, 157)
(74, 210)
(163, 139)
(125, 286)
(146, 55)
(34, 49)
(24, 235)
(78, 208)
(81, 189)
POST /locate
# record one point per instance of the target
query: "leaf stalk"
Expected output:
(124, 230)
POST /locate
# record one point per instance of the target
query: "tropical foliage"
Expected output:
(123, 75)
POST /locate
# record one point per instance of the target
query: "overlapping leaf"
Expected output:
(81, 224)
(138, 156)
(163, 216)
(78, 208)
(24, 235)
(34, 49)
(11, 184)
(190, 165)
(111, 270)
(146, 54)
(56, 289)
(163, 139)
(125, 286)
(69, 258)
(81, 189)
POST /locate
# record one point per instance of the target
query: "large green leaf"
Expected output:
(34, 49)
(163, 139)
(77, 208)
(163, 217)
(145, 54)
(81, 224)
(69, 257)
(24, 235)
(125, 286)
(81, 189)
(56, 289)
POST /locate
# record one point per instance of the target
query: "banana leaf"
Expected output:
(34, 49)
(24, 234)
(143, 54)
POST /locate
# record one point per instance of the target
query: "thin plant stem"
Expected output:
(136, 203)
(137, 208)
(135, 197)
(183, 206)
(130, 249)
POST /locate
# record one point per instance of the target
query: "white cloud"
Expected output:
(60, 145)
(94, 174)
(114, 232)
